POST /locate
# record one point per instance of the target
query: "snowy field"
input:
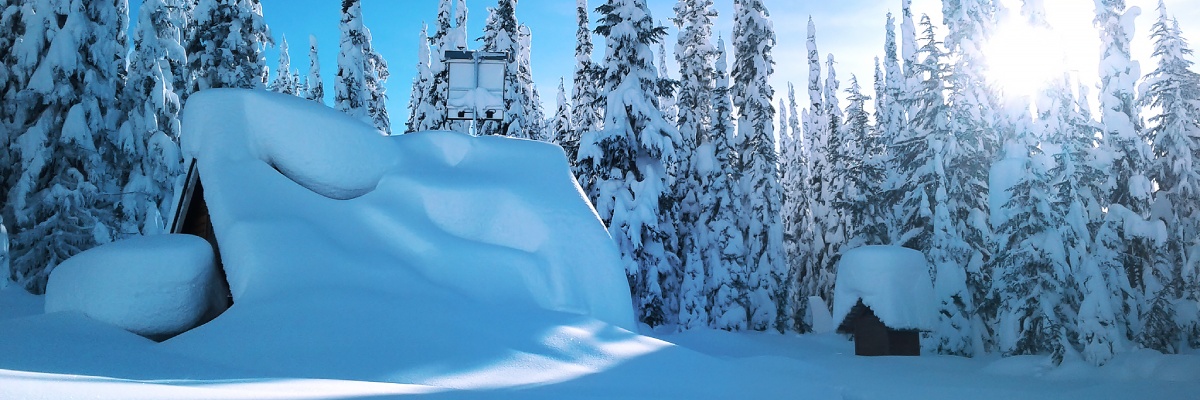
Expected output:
(446, 266)
(419, 352)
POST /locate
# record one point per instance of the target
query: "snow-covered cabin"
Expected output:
(884, 297)
(303, 199)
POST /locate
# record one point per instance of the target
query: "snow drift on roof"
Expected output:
(893, 281)
(302, 197)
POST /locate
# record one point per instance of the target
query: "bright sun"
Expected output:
(1022, 59)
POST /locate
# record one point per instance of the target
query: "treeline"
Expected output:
(1049, 230)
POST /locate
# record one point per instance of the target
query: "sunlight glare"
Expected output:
(1022, 59)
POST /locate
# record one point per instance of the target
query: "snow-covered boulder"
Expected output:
(154, 286)
(893, 281)
(306, 200)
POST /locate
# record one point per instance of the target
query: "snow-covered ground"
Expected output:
(446, 266)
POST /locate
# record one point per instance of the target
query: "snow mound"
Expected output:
(153, 286)
(893, 281)
(303, 198)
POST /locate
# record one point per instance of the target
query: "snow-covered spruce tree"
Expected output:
(535, 125)
(717, 229)
(283, 82)
(909, 54)
(1128, 184)
(350, 89)
(314, 87)
(1095, 330)
(863, 172)
(864, 207)
(11, 25)
(561, 124)
(1034, 287)
(898, 218)
(913, 171)
(753, 40)
(969, 153)
(152, 126)
(829, 168)
(797, 214)
(816, 128)
(630, 156)
(1106, 304)
(422, 112)
(224, 44)
(789, 286)
(1173, 90)
(667, 87)
(445, 37)
(585, 98)
(375, 75)
(502, 33)
(458, 35)
(69, 112)
(892, 123)
(694, 52)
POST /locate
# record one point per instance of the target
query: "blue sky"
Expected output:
(851, 29)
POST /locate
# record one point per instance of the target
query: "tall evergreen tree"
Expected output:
(1034, 284)
(283, 74)
(829, 173)
(968, 155)
(431, 99)
(630, 156)
(694, 52)
(224, 44)
(862, 171)
(1106, 304)
(1128, 188)
(892, 123)
(561, 125)
(797, 217)
(717, 230)
(914, 172)
(667, 87)
(535, 117)
(815, 136)
(753, 40)
(1173, 90)
(11, 28)
(68, 149)
(423, 112)
(375, 75)
(314, 87)
(585, 98)
(152, 127)
(350, 90)
(502, 33)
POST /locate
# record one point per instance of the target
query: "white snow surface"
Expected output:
(500, 220)
(893, 281)
(325, 312)
(150, 285)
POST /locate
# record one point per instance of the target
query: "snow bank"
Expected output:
(303, 197)
(153, 285)
(893, 281)
(15, 302)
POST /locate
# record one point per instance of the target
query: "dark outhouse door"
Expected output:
(872, 337)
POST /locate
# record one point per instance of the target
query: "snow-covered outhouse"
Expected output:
(884, 297)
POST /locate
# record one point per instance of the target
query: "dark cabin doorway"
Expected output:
(192, 218)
